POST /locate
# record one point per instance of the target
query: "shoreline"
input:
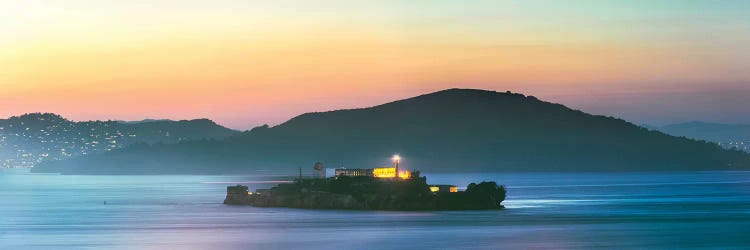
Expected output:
(368, 193)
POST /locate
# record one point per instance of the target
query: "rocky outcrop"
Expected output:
(313, 200)
(327, 200)
(237, 195)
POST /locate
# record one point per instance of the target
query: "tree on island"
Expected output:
(493, 193)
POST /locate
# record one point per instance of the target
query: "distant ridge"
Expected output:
(454, 130)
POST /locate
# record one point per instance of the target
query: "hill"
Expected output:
(727, 135)
(29, 139)
(456, 130)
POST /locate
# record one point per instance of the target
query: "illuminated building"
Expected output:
(443, 188)
(404, 174)
(384, 173)
(353, 172)
(392, 172)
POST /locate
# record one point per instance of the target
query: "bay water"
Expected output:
(658, 210)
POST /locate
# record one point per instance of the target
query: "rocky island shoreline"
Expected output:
(370, 193)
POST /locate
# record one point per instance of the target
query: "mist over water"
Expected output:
(544, 210)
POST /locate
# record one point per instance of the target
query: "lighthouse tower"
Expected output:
(396, 161)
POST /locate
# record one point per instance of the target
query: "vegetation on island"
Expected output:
(364, 192)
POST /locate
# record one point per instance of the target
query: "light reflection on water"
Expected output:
(545, 210)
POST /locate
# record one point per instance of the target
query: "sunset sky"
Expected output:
(246, 63)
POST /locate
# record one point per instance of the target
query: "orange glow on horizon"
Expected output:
(247, 63)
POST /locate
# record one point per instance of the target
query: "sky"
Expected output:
(248, 63)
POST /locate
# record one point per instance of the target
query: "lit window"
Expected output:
(384, 172)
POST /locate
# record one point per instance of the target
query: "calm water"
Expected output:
(545, 210)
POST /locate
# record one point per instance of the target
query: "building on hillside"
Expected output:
(443, 188)
(384, 173)
(354, 172)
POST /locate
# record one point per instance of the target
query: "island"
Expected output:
(371, 189)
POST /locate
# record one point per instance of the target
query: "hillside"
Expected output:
(456, 130)
(33, 138)
(735, 136)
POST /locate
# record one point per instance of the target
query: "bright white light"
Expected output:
(396, 158)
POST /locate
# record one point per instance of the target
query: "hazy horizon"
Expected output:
(617, 106)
